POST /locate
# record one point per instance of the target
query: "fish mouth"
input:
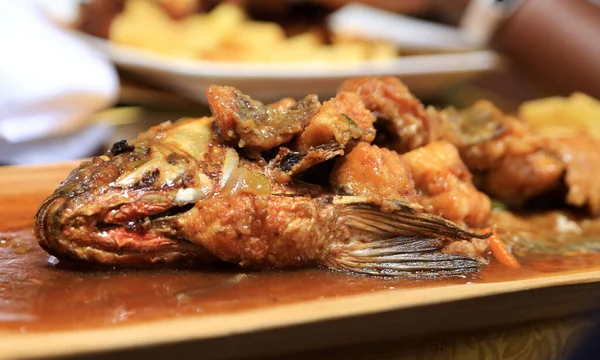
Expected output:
(45, 223)
(138, 240)
(121, 208)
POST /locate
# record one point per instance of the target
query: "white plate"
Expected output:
(427, 76)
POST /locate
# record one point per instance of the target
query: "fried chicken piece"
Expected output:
(581, 157)
(514, 163)
(433, 176)
(402, 114)
(444, 183)
(374, 172)
(478, 125)
(517, 178)
(343, 119)
(256, 126)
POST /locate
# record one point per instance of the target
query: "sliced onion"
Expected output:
(188, 195)
(229, 164)
(203, 189)
(135, 176)
(245, 181)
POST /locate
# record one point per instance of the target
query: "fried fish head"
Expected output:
(120, 208)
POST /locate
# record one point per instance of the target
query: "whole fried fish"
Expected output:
(180, 193)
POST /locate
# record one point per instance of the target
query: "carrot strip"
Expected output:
(501, 252)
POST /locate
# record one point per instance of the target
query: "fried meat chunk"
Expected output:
(518, 178)
(514, 163)
(433, 176)
(257, 231)
(444, 183)
(581, 157)
(251, 124)
(373, 172)
(402, 114)
(343, 119)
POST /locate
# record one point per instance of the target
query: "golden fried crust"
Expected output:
(516, 140)
(582, 158)
(374, 172)
(514, 162)
(402, 114)
(516, 179)
(516, 166)
(263, 231)
(343, 119)
(254, 125)
(444, 183)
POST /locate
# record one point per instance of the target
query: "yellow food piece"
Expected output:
(226, 34)
(145, 25)
(204, 32)
(559, 116)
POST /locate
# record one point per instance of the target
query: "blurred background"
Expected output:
(76, 76)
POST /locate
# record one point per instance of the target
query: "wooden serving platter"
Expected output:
(49, 310)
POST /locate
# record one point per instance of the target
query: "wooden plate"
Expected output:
(48, 310)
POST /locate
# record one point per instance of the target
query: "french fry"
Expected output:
(143, 24)
(256, 35)
(226, 34)
(559, 116)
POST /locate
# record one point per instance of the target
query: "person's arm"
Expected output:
(400, 6)
(556, 43)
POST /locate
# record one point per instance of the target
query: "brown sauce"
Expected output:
(38, 295)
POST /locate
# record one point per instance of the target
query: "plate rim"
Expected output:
(128, 56)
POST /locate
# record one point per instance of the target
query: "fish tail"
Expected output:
(399, 239)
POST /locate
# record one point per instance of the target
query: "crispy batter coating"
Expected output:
(515, 163)
(444, 183)
(374, 172)
(402, 114)
(433, 176)
(581, 157)
(517, 178)
(343, 119)
(251, 124)
(263, 231)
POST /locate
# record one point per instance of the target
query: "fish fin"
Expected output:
(288, 164)
(406, 257)
(399, 239)
(399, 218)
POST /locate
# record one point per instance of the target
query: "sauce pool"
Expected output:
(38, 294)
